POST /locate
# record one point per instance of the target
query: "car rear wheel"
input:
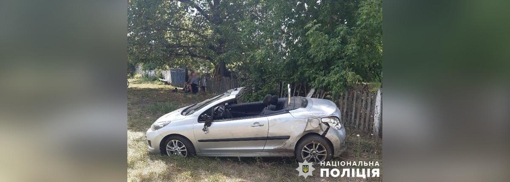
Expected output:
(179, 146)
(313, 149)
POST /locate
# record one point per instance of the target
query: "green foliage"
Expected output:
(186, 33)
(131, 68)
(149, 66)
(147, 78)
(159, 74)
(137, 76)
(328, 44)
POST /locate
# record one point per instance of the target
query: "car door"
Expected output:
(232, 137)
(282, 128)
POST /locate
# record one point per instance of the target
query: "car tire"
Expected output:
(179, 146)
(313, 148)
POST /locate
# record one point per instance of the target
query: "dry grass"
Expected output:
(148, 101)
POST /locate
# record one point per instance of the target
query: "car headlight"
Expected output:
(159, 124)
(333, 121)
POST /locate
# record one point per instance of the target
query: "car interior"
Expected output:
(231, 109)
(269, 106)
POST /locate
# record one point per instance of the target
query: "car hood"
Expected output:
(173, 116)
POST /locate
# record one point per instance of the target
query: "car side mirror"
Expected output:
(202, 117)
(207, 124)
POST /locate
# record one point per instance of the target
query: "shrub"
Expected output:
(149, 66)
(147, 78)
(131, 68)
(159, 74)
(138, 76)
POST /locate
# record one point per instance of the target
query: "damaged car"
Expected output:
(223, 126)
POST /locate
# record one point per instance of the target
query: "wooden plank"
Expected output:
(339, 105)
(299, 89)
(310, 93)
(281, 89)
(344, 107)
(369, 109)
(363, 110)
(358, 108)
(344, 113)
(294, 90)
(358, 95)
(354, 106)
(373, 109)
(349, 106)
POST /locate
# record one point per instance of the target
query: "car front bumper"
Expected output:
(337, 138)
(153, 141)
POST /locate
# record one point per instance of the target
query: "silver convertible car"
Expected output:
(307, 128)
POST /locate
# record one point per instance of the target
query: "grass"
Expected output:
(147, 101)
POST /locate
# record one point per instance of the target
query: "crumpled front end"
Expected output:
(337, 137)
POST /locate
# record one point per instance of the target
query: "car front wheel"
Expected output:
(179, 146)
(313, 149)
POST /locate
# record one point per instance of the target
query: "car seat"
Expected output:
(270, 102)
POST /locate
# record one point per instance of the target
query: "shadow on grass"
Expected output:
(145, 105)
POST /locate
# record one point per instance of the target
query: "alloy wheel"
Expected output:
(314, 152)
(176, 147)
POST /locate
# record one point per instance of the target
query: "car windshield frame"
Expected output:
(197, 106)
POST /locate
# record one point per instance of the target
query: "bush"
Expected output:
(149, 66)
(131, 68)
(159, 74)
(147, 78)
(138, 76)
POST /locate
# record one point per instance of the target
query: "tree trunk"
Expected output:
(220, 70)
(186, 74)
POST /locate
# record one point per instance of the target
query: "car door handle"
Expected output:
(257, 124)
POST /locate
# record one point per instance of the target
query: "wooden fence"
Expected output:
(217, 87)
(359, 109)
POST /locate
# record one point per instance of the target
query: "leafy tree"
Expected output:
(187, 32)
(326, 44)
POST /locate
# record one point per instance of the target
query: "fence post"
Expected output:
(377, 113)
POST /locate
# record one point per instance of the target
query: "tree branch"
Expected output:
(189, 30)
(171, 46)
(210, 4)
(194, 5)
(199, 56)
(186, 51)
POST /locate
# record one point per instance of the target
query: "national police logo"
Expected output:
(305, 169)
